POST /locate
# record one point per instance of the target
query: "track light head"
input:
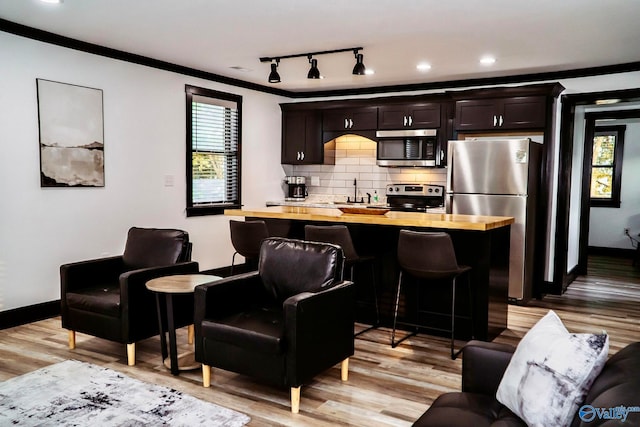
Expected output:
(314, 73)
(359, 69)
(274, 77)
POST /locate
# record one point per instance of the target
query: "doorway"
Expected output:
(610, 214)
(573, 210)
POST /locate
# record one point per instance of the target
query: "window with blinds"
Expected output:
(213, 151)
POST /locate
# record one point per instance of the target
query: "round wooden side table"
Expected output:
(164, 288)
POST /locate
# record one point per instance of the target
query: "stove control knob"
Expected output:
(436, 190)
(389, 189)
(397, 189)
(430, 190)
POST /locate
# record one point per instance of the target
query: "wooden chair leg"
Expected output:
(190, 334)
(72, 340)
(344, 370)
(295, 400)
(206, 375)
(131, 354)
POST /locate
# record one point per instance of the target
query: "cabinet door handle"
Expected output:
(404, 121)
(410, 120)
(350, 123)
(302, 154)
(298, 157)
(501, 120)
(346, 123)
(495, 120)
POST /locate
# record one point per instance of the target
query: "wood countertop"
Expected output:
(400, 219)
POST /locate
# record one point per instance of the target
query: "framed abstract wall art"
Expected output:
(71, 126)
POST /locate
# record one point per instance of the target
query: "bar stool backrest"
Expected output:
(336, 234)
(427, 255)
(246, 237)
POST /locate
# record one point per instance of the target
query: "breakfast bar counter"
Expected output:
(393, 218)
(481, 242)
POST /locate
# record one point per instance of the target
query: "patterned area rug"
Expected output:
(73, 393)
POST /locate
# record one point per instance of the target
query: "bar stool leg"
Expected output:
(395, 312)
(233, 261)
(394, 343)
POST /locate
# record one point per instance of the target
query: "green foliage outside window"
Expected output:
(604, 148)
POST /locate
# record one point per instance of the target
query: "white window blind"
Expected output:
(215, 169)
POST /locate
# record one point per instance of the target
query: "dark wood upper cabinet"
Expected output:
(409, 116)
(350, 119)
(302, 137)
(520, 112)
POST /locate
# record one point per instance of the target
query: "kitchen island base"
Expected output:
(483, 245)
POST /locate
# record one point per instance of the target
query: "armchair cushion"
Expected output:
(260, 329)
(288, 267)
(152, 247)
(103, 299)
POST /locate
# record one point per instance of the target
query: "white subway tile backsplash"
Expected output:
(356, 159)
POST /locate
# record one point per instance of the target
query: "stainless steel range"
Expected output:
(415, 197)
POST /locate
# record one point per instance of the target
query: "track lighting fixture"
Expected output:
(359, 69)
(313, 73)
(274, 77)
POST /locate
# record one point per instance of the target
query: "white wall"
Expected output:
(606, 225)
(144, 133)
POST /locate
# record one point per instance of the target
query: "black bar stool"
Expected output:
(339, 235)
(246, 237)
(429, 256)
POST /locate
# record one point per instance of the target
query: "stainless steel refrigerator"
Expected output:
(499, 177)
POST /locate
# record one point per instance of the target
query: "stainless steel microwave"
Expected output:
(410, 147)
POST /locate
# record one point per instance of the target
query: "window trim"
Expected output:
(214, 208)
(614, 201)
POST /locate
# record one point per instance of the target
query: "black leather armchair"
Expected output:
(107, 297)
(283, 324)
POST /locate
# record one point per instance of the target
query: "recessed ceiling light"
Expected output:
(240, 68)
(487, 60)
(52, 1)
(423, 66)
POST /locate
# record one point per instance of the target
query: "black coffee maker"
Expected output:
(296, 187)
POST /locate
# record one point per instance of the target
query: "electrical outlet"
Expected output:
(626, 231)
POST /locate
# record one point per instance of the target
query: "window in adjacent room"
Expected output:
(213, 151)
(606, 166)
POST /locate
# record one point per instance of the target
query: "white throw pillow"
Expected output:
(551, 372)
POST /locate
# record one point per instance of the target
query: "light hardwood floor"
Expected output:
(386, 387)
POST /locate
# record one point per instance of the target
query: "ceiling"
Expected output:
(525, 37)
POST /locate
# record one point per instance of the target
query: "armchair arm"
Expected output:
(319, 330)
(89, 273)
(226, 296)
(483, 366)
(132, 283)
